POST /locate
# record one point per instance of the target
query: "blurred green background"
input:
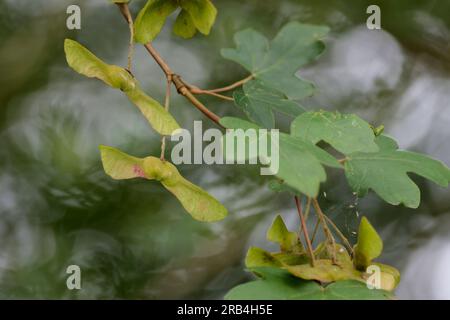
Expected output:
(131, 239)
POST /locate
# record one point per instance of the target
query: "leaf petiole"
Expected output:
(305, 231)
(127, 14)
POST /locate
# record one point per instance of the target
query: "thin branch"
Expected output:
(218, 95)
(305, 231)
(316, 228)
(180, 85)
(232, 86)
(326, 230)
(308, 207)
(176, 80)
(159, 60)
(127, 14)
(307, 210)
(166, 107)
(183, 90)
(340, 234)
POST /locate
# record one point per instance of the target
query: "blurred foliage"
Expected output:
(57, 207)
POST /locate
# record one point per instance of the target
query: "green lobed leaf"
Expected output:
(291, 258)
(342, 256)
(298, 263)
(386, 173)
(354, 290)
(151, 19)
(258, 102)
(197, 202)
(277, 185)
(251, 49)
(278, 233)
(301, 164)
(237, 123)
(347, 133)
(300, 161)
(369, 245)
(257, 257)
(86, 63)
(325, 271)
(386, 142)
(276, 63)
(277, 284)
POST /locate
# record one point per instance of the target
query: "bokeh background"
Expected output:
(131, 239)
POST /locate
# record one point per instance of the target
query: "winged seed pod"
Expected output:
(86, 63)
(194, 15)
(369, 245)
(200, 205)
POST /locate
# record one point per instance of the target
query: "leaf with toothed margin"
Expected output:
(197, 202)
(298, 263)
(325, 270)
(257, 257)
(276, 63)
(386, 172)
(300, 161)
(301, 164)
(347, 133)
(277, 185)
(278, 284)
(86, 63)
(259, 102)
